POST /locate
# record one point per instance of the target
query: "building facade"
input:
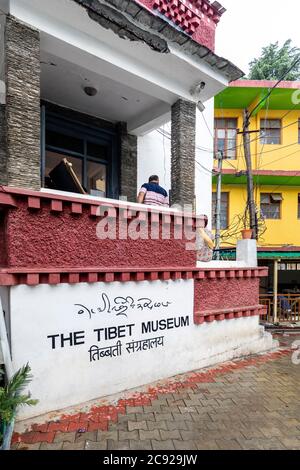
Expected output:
(275, 150)
(93, 285)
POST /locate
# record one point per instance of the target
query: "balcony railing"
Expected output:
(288, 308)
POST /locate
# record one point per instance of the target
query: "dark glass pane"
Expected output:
(271, 211)
(265, 198)
(270, 132)
(220, 123)
(270, 137)
(270, 124)
(97, 151)
(96, 178)
(231, 123)
(221, 145)
(224, 210)
(66, 142)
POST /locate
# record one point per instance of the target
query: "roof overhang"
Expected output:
(129, 46)
(268, 253)
(133, 21)
(248, 94)
(261, 177)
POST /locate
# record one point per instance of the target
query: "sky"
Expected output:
(249, 25)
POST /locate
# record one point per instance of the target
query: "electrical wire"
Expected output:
(279, 159)
(259, 159)
(297, 61)
(200, 164)
(204, 149)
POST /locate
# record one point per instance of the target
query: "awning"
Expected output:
(264, 255)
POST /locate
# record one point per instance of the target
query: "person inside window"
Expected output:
(205, 243)
(153, 194)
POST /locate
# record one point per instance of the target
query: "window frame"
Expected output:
(261, 137)
(227, 193)
(270, 203)
(216, 128)
(53, 121)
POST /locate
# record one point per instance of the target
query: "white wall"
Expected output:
(204, 159)
(154, 157)
(65, 376)
(5, 300)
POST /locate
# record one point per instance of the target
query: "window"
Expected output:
(226, 137)
(270, 205)
(89, 156)
(270, 131)
(224, 210)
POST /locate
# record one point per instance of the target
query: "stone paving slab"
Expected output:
(249, 404)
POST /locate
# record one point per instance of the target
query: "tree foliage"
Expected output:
(275, 62)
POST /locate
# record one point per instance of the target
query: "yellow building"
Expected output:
(275, 154)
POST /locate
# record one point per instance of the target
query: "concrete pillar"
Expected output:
(183, 138)
(22, 109)
(246, 251)
(128, 163)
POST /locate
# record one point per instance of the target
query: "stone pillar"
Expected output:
(183, 142)
(22, 108)
(128, 163)
(3, 171)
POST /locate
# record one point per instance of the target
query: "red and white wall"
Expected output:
(64, 291)
(62, 331)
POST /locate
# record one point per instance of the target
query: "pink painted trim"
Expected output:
(264, 84)
(7, 200)
(59, 202)
(35, 276)
(219, 315)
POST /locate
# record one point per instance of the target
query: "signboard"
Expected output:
(85, 341)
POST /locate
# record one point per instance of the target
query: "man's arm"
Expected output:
(141, 196)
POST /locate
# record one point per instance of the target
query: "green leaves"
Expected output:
(11, 395)
(275, 62)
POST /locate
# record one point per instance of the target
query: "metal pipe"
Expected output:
(218, 204)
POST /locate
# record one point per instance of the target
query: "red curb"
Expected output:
(99, 417)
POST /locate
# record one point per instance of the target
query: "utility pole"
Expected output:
(250, 186)
(218, 203)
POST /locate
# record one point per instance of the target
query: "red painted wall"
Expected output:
(213, 294)
(41, 238)
(2, 240)
(199, 21)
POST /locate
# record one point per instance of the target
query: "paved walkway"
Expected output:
(248, 404)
